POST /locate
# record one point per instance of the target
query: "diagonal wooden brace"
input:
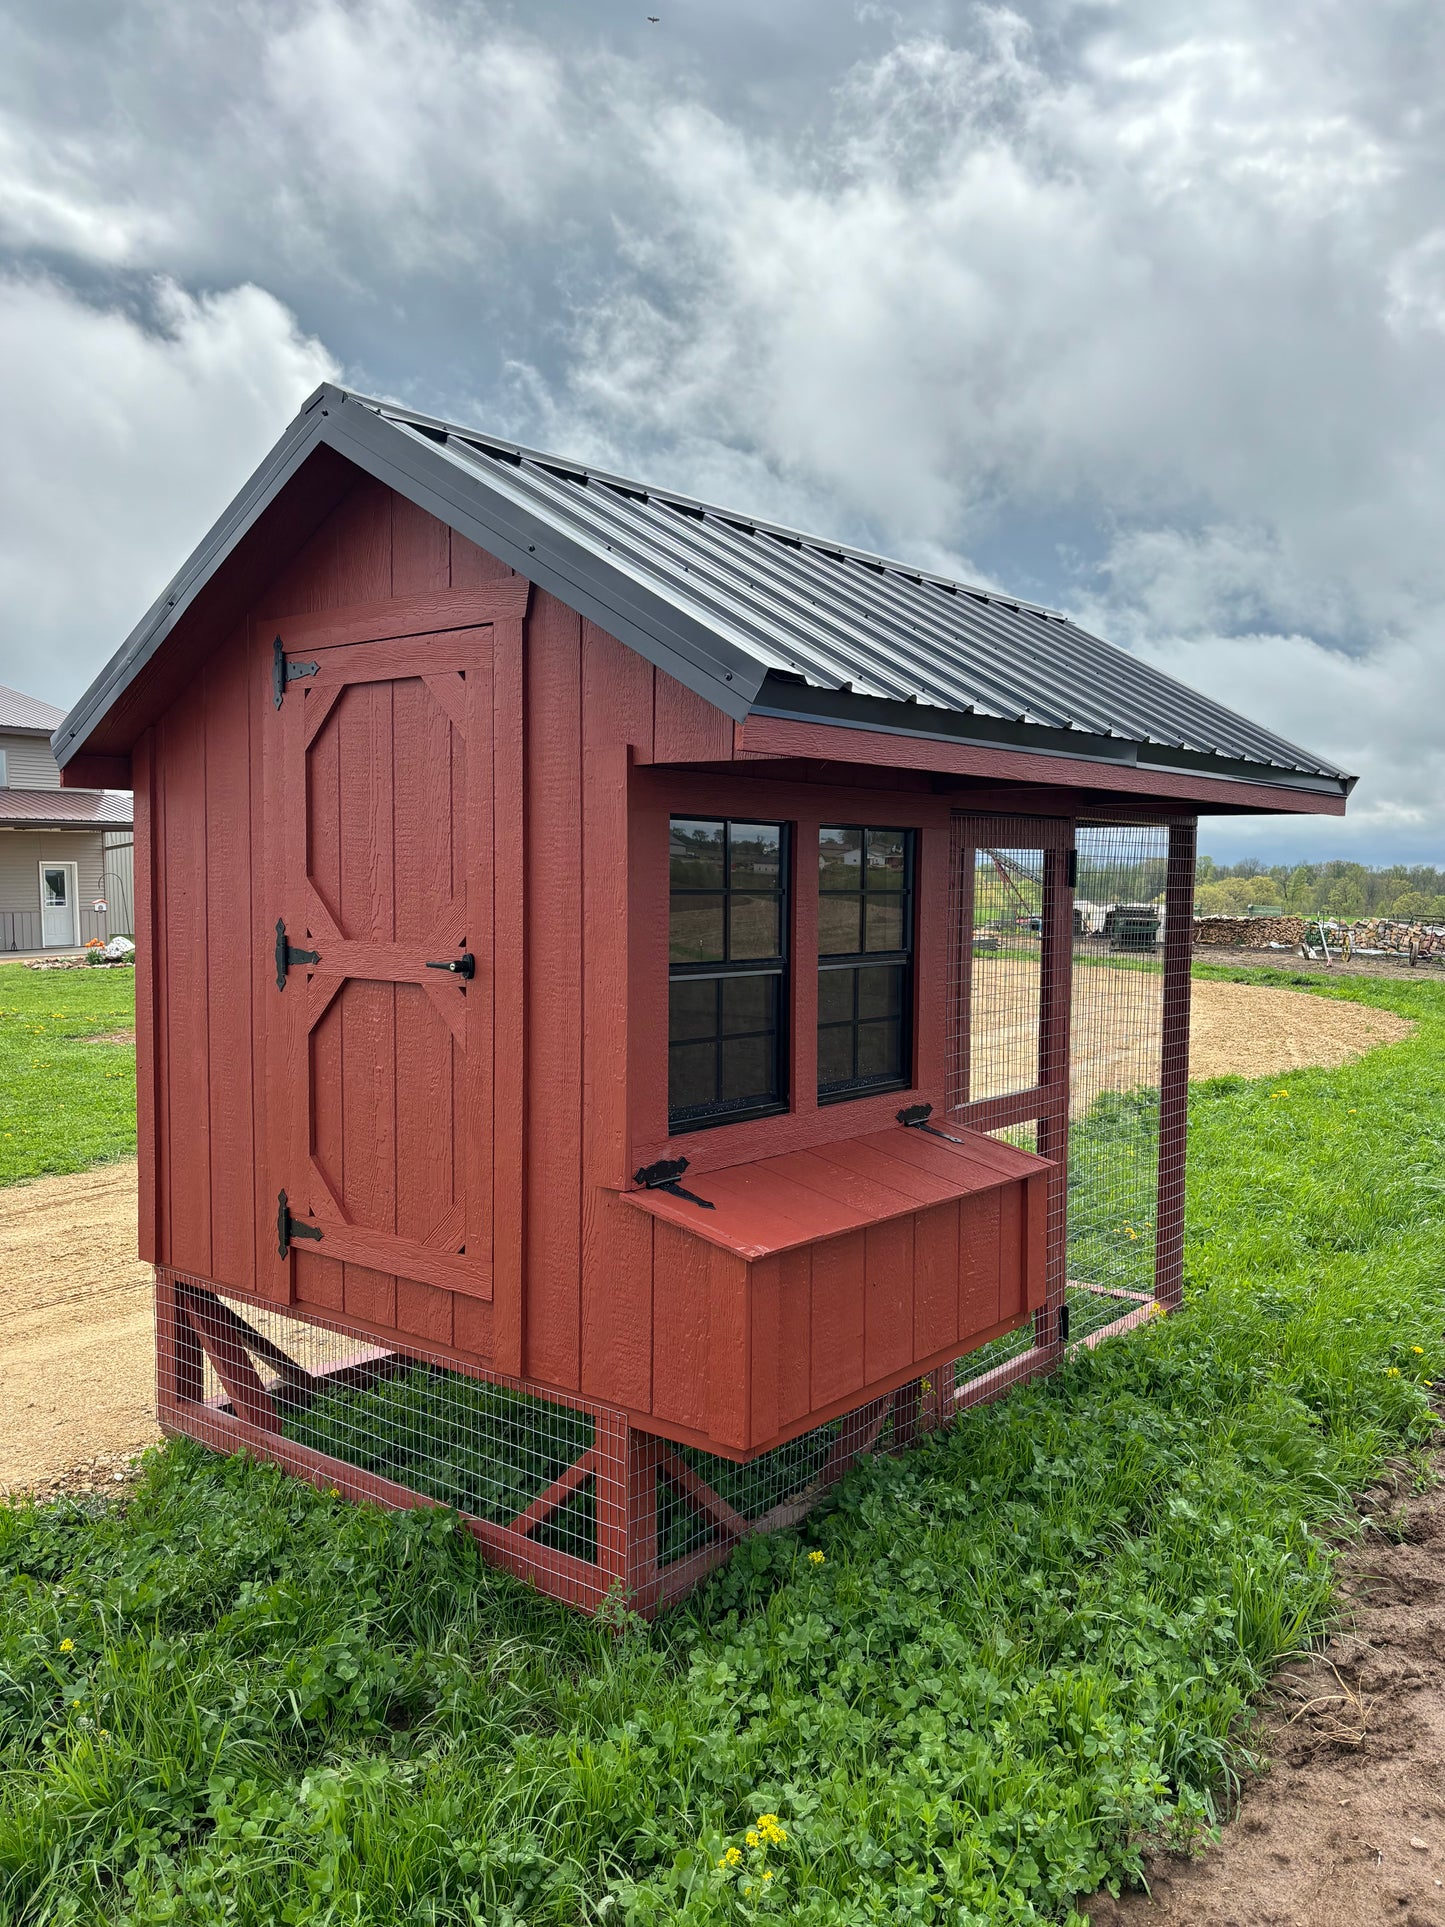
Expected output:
(218, 1332)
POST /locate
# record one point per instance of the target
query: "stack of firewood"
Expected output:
(1249, 933)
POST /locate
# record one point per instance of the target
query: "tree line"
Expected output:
(1412, 892)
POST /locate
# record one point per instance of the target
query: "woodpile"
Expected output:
(1249, 933)
(1394, 937)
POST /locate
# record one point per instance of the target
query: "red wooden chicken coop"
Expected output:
(571, 1082)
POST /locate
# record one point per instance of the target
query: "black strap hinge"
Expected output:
(288, 1227)
(1071, 868)
(283, 672)
(664, 1175)
(1063, 1324)
(287, 954)
(915, 1118)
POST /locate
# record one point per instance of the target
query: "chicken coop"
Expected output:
(615, 1040)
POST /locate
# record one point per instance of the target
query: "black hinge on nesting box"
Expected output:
(1071, 868)
(288, 1227)
(287, 954)
(915, 1118)
(664, 1175)
(1063, 1324)
(283, 672)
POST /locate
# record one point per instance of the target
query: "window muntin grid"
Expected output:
(727, 944)
(865, 959)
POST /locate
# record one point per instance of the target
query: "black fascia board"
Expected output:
(790, 701)
(588, 580)
(143, 642)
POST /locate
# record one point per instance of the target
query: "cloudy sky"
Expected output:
(1136, 307)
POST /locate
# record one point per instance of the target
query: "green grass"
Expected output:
(1029, 1644)
(68, 1102)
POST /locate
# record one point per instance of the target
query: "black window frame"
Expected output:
(841, 1092)
(729, 969)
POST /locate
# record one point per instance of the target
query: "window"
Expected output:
(4, 772)
(865, 960)
(727, 946)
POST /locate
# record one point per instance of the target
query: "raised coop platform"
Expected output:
(564, 1492)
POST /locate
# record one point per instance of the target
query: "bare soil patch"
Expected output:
(1246, 1030)
(1356, 966)
(77, 1377)
(1347, 1826)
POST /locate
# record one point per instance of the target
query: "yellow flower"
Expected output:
(751, 1838)
(817, 1559)
(1418, 1350)
(67, 1645)
(767, 1873)
(731, 1857)
(771, 1829)
(1393, 1372)
(335, 1492)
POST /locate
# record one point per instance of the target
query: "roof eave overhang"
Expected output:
(790, 701)
(414, 461)
(81, 825)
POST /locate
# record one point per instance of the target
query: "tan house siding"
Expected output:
(21, 854)
(29, 764)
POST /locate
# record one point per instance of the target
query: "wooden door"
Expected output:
(386, 1055)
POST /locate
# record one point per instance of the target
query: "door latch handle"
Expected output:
(463, 966)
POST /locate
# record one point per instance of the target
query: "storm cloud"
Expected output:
(1136, 308)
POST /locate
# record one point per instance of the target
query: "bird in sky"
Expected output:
(654, 18)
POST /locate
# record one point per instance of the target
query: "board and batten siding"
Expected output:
(29, 764)
(21, 854)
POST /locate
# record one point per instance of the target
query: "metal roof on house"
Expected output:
(757, 618)
(27, 714)
(66, 809)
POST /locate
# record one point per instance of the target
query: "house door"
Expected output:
(384, 961)
(59, 928)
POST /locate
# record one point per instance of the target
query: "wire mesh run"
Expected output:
(1073, 986)
(1116, 1028)
(564, 1492)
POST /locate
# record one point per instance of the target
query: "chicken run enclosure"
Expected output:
(715, 1002)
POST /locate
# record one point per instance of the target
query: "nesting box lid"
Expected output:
(774, 1204)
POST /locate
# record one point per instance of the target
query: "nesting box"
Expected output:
(557, 903)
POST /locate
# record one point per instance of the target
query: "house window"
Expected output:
(4, 772)
(728, 902)
(865, 960)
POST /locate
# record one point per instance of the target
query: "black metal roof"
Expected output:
(757, 618)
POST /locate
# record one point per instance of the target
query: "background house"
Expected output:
(62, 852)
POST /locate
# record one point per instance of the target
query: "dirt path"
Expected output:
(1347, 1828)
(1250, 1030)
(76, 1373)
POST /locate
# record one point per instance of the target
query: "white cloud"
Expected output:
(125, 440)
(1139, 306)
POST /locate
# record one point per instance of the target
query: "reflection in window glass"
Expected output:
(865, 959)
(727, 923)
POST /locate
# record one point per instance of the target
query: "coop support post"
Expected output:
(180, 1369)
(1053, 1124)
(1174, 1066)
